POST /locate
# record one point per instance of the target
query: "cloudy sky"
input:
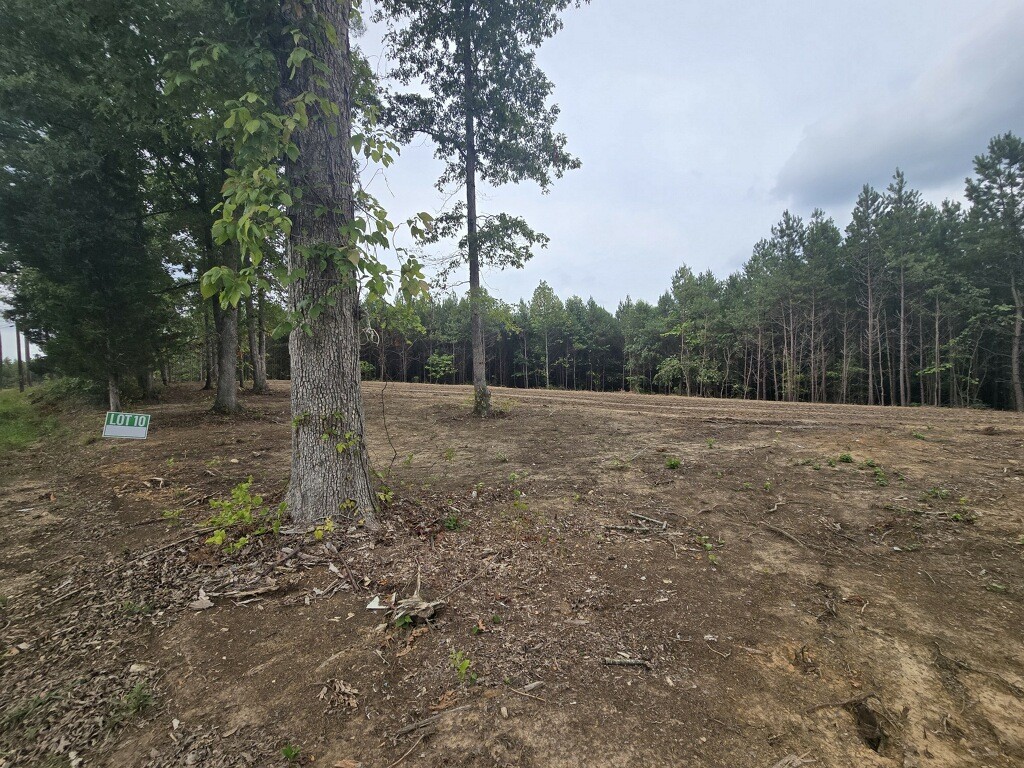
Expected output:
(698, 124)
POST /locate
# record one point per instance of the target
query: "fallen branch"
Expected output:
(627, 663)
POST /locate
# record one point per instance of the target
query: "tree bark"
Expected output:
(329, 465)
(226, 321)
(21, 365)
(208, 351)
(114, 392)
(28, 359)
(481, 394)
(256, 358)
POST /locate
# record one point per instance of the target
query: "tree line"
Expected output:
(914, 303)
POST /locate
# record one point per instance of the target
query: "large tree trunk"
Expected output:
(481, 394)
(329, 468)
(259, 362)
(1018, 329)
(226, 321)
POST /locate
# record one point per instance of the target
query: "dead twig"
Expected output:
(427, 721)
(420, 739)
(638, 516)
(528, 695)
(789, 536)
(455, 589)
(626, 528)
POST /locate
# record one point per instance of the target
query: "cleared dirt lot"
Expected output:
(842, 584)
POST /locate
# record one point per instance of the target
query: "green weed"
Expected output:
(673, 463)
(845, 458)
(462, 665)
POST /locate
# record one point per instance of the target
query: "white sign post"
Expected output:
(133, 426)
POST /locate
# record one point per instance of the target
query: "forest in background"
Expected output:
(915, 303)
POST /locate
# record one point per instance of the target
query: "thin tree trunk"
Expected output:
(208, 350)
(903, 362)
(1018, 329)
(21, 365)
(920, 360)
(328, 476)
(935, 363)
(28, 359)
(481, 394)
(871, 342)
(256, 358)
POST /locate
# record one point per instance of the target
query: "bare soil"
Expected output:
(773, 604)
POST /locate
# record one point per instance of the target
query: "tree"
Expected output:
(488, 115)
(74, 218)
(863, 247)
(546, 316)
(997, 195)
(902, 234)
(292, 175)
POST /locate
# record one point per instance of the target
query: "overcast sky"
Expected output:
(698, 124)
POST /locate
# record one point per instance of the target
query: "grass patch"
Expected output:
(21, 422)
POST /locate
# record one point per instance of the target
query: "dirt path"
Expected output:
(836, 582)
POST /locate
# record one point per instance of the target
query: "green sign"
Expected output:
(133, 426)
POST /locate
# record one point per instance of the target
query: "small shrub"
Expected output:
(673, 463)
(845, 458)
(241, 516)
